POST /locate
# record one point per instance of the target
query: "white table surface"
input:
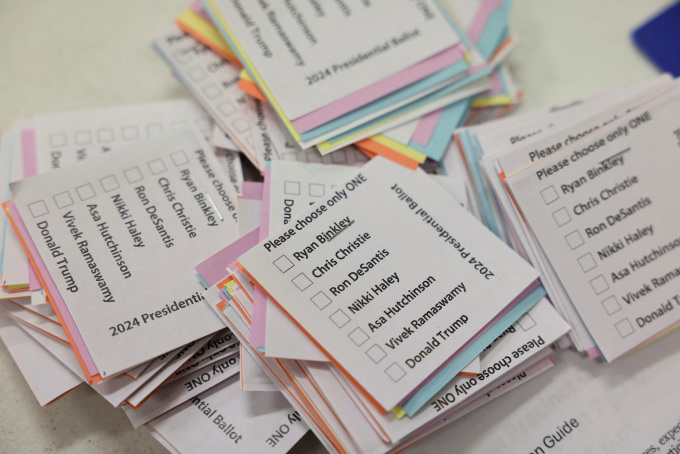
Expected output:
(77, 54)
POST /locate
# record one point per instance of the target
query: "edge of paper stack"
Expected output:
(290, 251)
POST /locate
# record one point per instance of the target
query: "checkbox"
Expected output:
(130, 132)
(38, 208)
(85, 192)
(212, 91)
(574, 240)
(599, 284)
(395, 372)
(106, 135)
(157, 166)
(526, 322)
(196, 74)
(83, 138)
(358, 336)
(154, 129)
(109, 183)
(226, 108)
(205, 126)
(58, 140)
(376, 353)
(240, 125)
(316, 190)
(624, 328)
(587, 262)
(179, 124)
(611, 305)
(283, 263)
(339, 318)
(133, 175)
(339, 158)
(549, 195)
(301, 281)
(63, 199)
(179, 158)
(183, 56)
(291, 188)
(291, 156)
(561, 217)
(321, 300)
(313, 157)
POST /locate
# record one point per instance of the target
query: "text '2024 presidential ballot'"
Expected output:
(115, 234)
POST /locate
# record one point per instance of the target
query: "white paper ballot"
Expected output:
(226, 419)
(347, 270)
(604, 214)
(119, 235)
(310, 54)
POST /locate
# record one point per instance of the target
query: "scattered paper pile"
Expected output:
(355, 291)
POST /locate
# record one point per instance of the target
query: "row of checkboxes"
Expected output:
(586, 262)
(359, 337)
(108, 183)
(611, 306)
(213, 91)
(126, 133)
(294, 188)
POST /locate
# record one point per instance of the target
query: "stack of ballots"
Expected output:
(106, 247)
(351, 291)
(326, 78)
(581, 191)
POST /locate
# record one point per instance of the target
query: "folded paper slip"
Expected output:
(347, 276)
(114, 240)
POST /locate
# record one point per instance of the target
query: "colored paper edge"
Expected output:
(421, 398)
(55, 298)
